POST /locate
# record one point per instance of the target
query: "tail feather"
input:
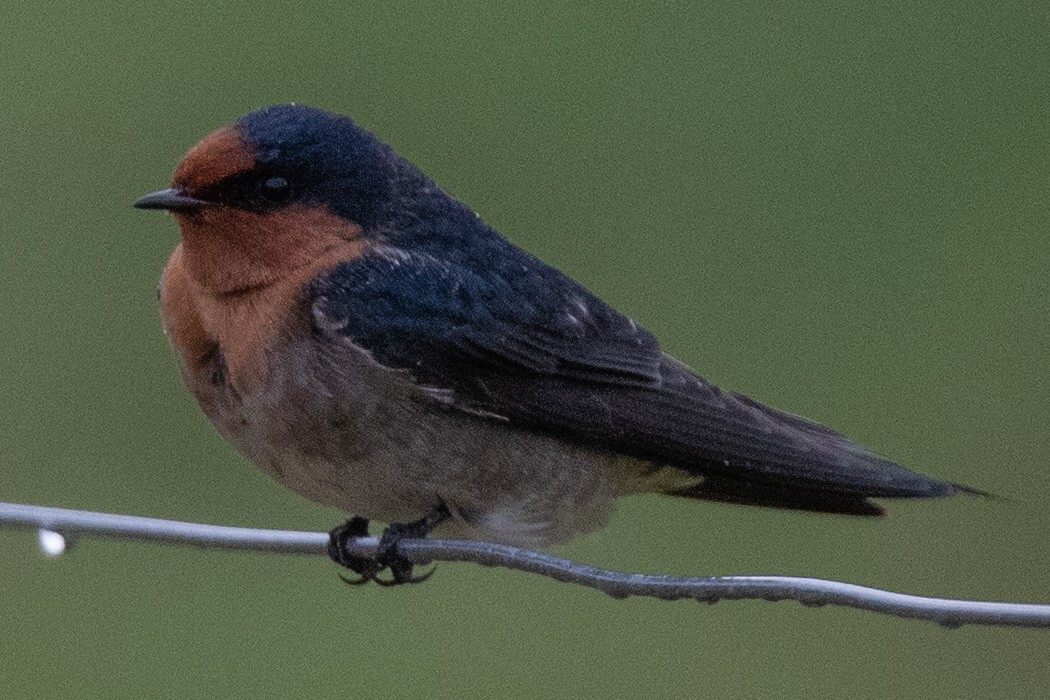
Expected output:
(970, 491)
(775, 495)
(778, 496)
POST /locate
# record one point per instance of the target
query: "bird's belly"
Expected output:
(337, 428)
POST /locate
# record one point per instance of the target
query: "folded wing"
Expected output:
(539, 350)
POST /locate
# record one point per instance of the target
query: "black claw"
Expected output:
(395, 581)
(363, 578)
(366, 567)
(387, 556)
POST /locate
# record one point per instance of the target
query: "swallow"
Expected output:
(370, 343)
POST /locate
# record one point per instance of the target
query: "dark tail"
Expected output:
(793, 498)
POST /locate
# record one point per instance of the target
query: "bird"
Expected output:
(372, 344)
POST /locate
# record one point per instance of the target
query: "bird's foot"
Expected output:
(365, 567)
(388, 555)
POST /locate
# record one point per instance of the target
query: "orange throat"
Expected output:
(236, 286)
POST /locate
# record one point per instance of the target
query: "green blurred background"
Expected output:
(840, 209)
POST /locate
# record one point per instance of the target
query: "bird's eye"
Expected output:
(275, 189)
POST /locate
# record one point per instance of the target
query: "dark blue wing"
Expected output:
(527, 343)
(440, 319)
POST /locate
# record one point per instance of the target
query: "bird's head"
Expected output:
(274, 191)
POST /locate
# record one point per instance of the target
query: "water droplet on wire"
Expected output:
(52, 543)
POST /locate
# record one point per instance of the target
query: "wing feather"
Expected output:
(540, 351)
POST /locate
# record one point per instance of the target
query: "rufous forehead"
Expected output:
(218, 155)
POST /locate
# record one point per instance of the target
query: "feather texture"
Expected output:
(564, 362)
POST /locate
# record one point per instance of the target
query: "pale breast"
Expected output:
(341, 430)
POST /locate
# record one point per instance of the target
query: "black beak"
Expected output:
(171, 199)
